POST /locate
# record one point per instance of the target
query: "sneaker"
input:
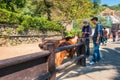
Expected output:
(91, 63)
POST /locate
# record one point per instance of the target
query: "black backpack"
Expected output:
(102, 38)
(101, 35)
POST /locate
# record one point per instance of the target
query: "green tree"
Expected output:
(12, 5)
(38, 8)
(96, 3)
(115, 7)
(105, 5)
(74, 9)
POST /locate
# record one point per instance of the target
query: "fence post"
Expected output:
(81, 51)
(51, 61)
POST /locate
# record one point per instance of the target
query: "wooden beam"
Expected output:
(65, 65)
(67, 47)
(22, 59)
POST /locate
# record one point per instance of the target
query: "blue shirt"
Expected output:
(98, 30)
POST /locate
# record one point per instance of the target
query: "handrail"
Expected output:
(63, 66)
(30, 35)
(68, 47)
(21, 59)
(40, 65)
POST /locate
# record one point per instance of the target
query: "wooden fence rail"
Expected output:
(24, 36)
(39, 66)
(26, 67)
(65, 65)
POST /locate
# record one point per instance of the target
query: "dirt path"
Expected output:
(107, 69)
(13, 51)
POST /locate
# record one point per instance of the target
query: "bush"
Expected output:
(8, 31)
(73, 32)
(20, 29)
(9, 17)
(26, 22)
(14, 18)
(4, 16)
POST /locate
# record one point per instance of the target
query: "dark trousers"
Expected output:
(114, 38)
(88, 47)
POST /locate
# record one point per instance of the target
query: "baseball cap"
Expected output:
(85, 22)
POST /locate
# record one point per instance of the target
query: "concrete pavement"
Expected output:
(107, 69)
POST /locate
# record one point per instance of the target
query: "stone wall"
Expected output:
(10, 36)
(16, 40)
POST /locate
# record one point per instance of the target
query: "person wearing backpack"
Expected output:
(86, 32)
(96, 40)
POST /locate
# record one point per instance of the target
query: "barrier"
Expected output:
(39, 66)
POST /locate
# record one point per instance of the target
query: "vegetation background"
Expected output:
(48, 15)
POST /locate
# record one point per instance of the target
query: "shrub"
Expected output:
(8, 31)
(26, 22)
(9, 17)
(20, 29)
(73, 32)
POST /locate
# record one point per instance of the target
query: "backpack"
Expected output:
(101, 32)
(96, 33)
(102, 38)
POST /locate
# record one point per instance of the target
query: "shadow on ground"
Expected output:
(111, 57)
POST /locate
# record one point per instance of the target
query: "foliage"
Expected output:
(42, 24)
(102, 20)
(8, 31)
(8, 17)
(26, 22)
(74, 9)
(114, 7)
(12, 5)
(63, 9)
(20, 29)
(73, 32)
(44, 15)
(96, 3)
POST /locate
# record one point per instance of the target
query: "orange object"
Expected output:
(59, 57)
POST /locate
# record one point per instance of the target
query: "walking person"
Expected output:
(118, 35)
(86, 32)
(113, 34)
(96, 40)
(105, 36)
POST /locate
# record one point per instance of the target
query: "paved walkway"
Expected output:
(107, 69)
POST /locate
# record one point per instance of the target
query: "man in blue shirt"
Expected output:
(86, 32)
(96, 40)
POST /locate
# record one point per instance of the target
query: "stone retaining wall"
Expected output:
(16, 40)
(10, 36)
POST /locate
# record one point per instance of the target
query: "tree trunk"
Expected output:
(48, 4)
